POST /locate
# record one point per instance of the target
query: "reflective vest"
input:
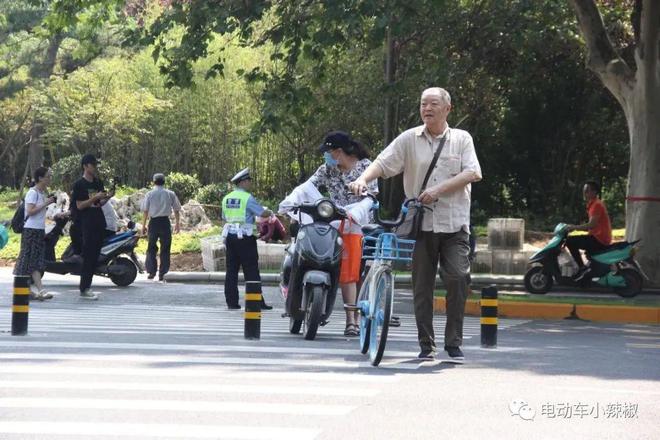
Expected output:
(234, 210)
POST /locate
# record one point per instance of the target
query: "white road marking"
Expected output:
(188, 387)
(178, 406)
(36, 427)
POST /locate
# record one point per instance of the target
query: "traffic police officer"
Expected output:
(239, 209)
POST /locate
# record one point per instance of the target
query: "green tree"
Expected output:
(636, 86)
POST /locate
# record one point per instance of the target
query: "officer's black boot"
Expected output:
(265, 306)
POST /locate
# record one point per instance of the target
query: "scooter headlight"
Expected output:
(325, 209)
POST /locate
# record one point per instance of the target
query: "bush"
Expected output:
(67, 170)
(212, 195)
(121, 191)
(8, 195)
(184, 185)
(184, 242)
(614, 197)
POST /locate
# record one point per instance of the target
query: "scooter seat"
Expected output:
(616, 246)
(118, 237)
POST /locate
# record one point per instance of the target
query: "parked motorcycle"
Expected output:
(310, 271)
(117, 260)
(614, 267)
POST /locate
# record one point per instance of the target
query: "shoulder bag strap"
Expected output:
(434, 161)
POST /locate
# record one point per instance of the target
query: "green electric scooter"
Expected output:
(615, 267)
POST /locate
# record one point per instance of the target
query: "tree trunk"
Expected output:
(638, 92)
(643, 205)
(36, 149)
(391, 189)
(43, 72)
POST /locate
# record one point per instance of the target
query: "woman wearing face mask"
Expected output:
(345, 160)
(31, 256)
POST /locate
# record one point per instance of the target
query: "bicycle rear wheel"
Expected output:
(382, 302)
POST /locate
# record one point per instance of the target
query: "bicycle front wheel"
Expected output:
(365, 321)
(382, 303)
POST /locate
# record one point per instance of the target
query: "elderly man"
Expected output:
(157, 206)
(444, 235)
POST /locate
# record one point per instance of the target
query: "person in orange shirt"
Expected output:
(599, 228)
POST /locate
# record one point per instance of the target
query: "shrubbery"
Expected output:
(67, 170)
(212, 195)
(184, 185)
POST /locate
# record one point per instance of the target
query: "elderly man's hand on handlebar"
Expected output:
(358, 187)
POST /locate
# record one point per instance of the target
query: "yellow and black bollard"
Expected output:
(21, 306)
(489, 317)
(252, 310)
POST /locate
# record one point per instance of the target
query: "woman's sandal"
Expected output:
(351, 330)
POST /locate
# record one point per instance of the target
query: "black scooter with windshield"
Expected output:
(310, 271)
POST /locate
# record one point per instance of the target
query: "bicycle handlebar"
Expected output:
(405, 207)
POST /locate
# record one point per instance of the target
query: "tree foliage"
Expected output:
(221, 85)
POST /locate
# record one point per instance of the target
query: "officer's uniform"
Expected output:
(239, 209)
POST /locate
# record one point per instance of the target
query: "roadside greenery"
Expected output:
(541, 122)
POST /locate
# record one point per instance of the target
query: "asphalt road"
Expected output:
(168, 361)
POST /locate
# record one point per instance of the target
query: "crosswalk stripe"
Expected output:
(156, 325)
(219, 406)
(324, 363)
(188, 387)
(197, 348)
(326, 336)
(196, 372)
(208, 314)
(233, 326)
(36, 427)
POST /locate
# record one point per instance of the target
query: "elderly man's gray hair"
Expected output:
(438, 91)
(159, 179)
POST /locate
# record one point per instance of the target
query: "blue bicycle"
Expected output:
(376, 298)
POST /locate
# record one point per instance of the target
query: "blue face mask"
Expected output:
(329, 160)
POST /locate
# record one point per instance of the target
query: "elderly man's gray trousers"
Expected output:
(452, 251)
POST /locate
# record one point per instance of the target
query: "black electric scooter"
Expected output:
(117, 260)
(310, 271)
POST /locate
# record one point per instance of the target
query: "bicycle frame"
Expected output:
(377, 289)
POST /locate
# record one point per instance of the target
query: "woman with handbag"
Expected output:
(345, 160)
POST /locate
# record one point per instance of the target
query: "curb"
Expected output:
(401, 279)
(587, 312)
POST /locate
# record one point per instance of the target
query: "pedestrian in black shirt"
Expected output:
(89, 196)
